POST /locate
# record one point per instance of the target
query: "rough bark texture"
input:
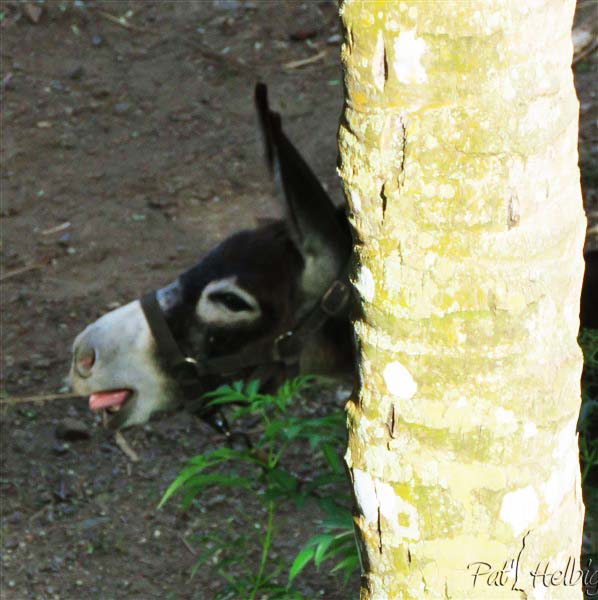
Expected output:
(459, 159)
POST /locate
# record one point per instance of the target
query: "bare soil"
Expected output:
(129, 148)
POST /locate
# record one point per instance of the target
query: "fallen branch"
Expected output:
(120, 441)
(41, 398)
(121, 21)
(296, 64)
(187, 545)
(585, 52)
(21, 270)
(213, 56)
(57, 228)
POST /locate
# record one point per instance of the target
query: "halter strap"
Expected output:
(285, 349)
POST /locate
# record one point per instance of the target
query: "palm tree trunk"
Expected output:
(459, 159)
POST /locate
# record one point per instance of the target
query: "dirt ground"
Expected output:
(129, 149)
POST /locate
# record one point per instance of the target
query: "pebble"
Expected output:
(15, 517)
(76, 72)
(64, 239)
(60, 449)
(121, 108)
(56, 86)
(97, 40)
(72, 430)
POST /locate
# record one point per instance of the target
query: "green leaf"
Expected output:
(252, 387)
(321, 549)
(282, 482)
(199, 483)
(331, 456)
(587, 408)
(347, 565)
(304, 556)
(184, 475)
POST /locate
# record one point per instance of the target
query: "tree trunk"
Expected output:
(459, 159)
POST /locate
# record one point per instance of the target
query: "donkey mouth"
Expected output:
(111, 400)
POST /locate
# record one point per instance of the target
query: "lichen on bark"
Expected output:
(458, 157)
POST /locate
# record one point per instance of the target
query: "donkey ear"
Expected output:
(313, 221)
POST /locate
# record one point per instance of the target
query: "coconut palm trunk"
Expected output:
(458, 149)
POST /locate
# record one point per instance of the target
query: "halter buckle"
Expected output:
(287, 347)
(335, 298)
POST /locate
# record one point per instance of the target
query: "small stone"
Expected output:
(33, 12)
(97, 40)
(56, 86)
(76, 72)
(15, 518)
(64, 239)
(72, 430)
(100, 93)
(60, 449)
(121, 108)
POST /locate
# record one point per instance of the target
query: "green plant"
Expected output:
(261, 470)
(588, 416)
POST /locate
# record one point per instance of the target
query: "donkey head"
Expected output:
(249, 289)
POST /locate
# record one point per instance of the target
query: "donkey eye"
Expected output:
(232, 302)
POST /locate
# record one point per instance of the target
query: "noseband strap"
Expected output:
(168, 348)
(262, 355)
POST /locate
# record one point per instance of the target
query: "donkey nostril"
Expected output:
(85, 361)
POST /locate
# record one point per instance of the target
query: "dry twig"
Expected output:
(21, 270)
(41, 398)
(586, 51)
(121, 21)
(120, 441)
(57, 228)
(296, 64)
(187, 545)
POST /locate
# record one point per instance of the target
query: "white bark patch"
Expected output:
(365, 494)
(391, 506)
(355, 201)
(529, 430)
(567, 437)
(506, 419)
(399, 381)
(565, 457)
(365, 284)
(408, 51)
(560, 482)
(508, 91)
(520, 508)
(375, 497)
(446, 191)
(378, 63)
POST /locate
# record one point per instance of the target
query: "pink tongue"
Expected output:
(101, 400)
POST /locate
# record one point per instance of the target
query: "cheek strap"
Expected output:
(196, 376)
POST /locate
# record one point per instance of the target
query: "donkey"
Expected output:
(265, 303)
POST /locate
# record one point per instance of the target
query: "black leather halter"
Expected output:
(194, 375)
